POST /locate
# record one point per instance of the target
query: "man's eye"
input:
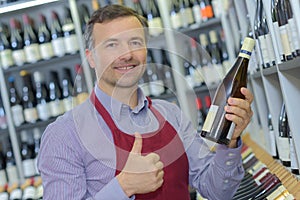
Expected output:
(136, 43)
(110, 45)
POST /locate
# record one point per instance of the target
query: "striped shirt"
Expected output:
(77, 156)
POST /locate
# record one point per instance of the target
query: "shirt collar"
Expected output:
(116, 108)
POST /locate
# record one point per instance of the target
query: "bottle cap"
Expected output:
(247, 47)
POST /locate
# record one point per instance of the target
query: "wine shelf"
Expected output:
(42, 63)
(289, 181)
(269, 71)
(38, 124)
(293, 64)
(256, 74)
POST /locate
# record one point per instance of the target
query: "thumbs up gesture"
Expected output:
(141, 174)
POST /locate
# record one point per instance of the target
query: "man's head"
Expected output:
(116, 47)
(109, 13)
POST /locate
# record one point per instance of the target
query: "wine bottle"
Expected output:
(15, 192)
(272, 139)
(176, 20)
(70, 37)
(168, 74)
(28, 189)
(293, 153)
(200, 114)
(17, 44)
(69, 100)
(80, 85)
(85, 16)
(196, 63)
(197, 12)
(139, 8)
(6, 58)
(3, 178)
(95, 5)
(42, 96)
(15, 103)
(283, 23)
(269, 43)
(57, 36)
(28, 98)
(206, 10)
(274, 14)
(44, 36)
(216, 127)
(3, 119)
(186, 14)
(283, 139)
(215, 56)
(36, 149)
(154, 20)
(27, 156)
(3, 192)
(31, 43)
(55, 92)
(11, 168)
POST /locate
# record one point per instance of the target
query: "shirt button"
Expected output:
(231, 154)
(229, 163)
(225, 181)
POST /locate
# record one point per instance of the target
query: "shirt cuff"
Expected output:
(229, 158)
(113, 190)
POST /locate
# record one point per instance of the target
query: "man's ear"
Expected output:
(90, 58)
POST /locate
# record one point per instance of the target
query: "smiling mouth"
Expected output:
(125, 67)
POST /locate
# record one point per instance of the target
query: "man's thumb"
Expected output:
(137, 145)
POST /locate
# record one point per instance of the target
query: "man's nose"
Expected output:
(125, 52)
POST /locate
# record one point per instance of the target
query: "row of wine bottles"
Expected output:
(6, 2)
(286, 45)
(30, 43)
(283, 148)
(209, 63)
(42, 101)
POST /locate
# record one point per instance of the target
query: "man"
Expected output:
(120, 144)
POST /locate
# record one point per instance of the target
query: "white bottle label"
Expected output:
(29, 192)
(278, 39)
(3, 179)
(68, 103)
(155, 26)
(197, 14)
(176, 21)
(272, 143)
(56, 108)
(71, 44)
(59, 47)
(43, 111)
(39, 192)
(46, 50)
(12, 174)
(28, 167)
(16, 194)
(17, 114)
(210, 118)
(293, 155)
(189, 15)
(270, 48)
(294, 33)
(264, 50)
(32, 53)
(285, 41)
(157, 87)
(6, 58)
(31, 115)
(19, 57)
(284, 150)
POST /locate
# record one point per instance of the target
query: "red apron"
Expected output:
(165, 142)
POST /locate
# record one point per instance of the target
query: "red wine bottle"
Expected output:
(44, 36)
(216, 127)
(17, 44)
(57, 36)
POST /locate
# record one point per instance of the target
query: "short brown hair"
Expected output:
(109, 13)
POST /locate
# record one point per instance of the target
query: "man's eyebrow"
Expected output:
(137, 38)
(109, 40)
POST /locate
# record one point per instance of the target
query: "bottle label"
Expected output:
(68, 103)
(276, 193)
(19, 57)
(264, 50)
(197, 14)
(189, 15)
(247, 48)
(17, 114)
(285, 41)
(71, 44)
(284, 150)
(210, 118)
(272, 143)
(39, 192)
(46, 50)
(198, 76)
(56, 107)
(29, 192)
(59, 47)
(155, 26)
(157, 87)
(207, 12)
(278, 40)
(293, 155)
(294, 33)
(176, 21)
(4, 196)
(16, 194)
(12, 174)
(68, 27)
(31, 115)
(270, 49)
(43, 111)
(32, 53)
(3, 179)
(6, 58)
(28, 168)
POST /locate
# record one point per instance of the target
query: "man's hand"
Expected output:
(141, 174)
(240, 114)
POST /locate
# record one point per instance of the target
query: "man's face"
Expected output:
(120, 52)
